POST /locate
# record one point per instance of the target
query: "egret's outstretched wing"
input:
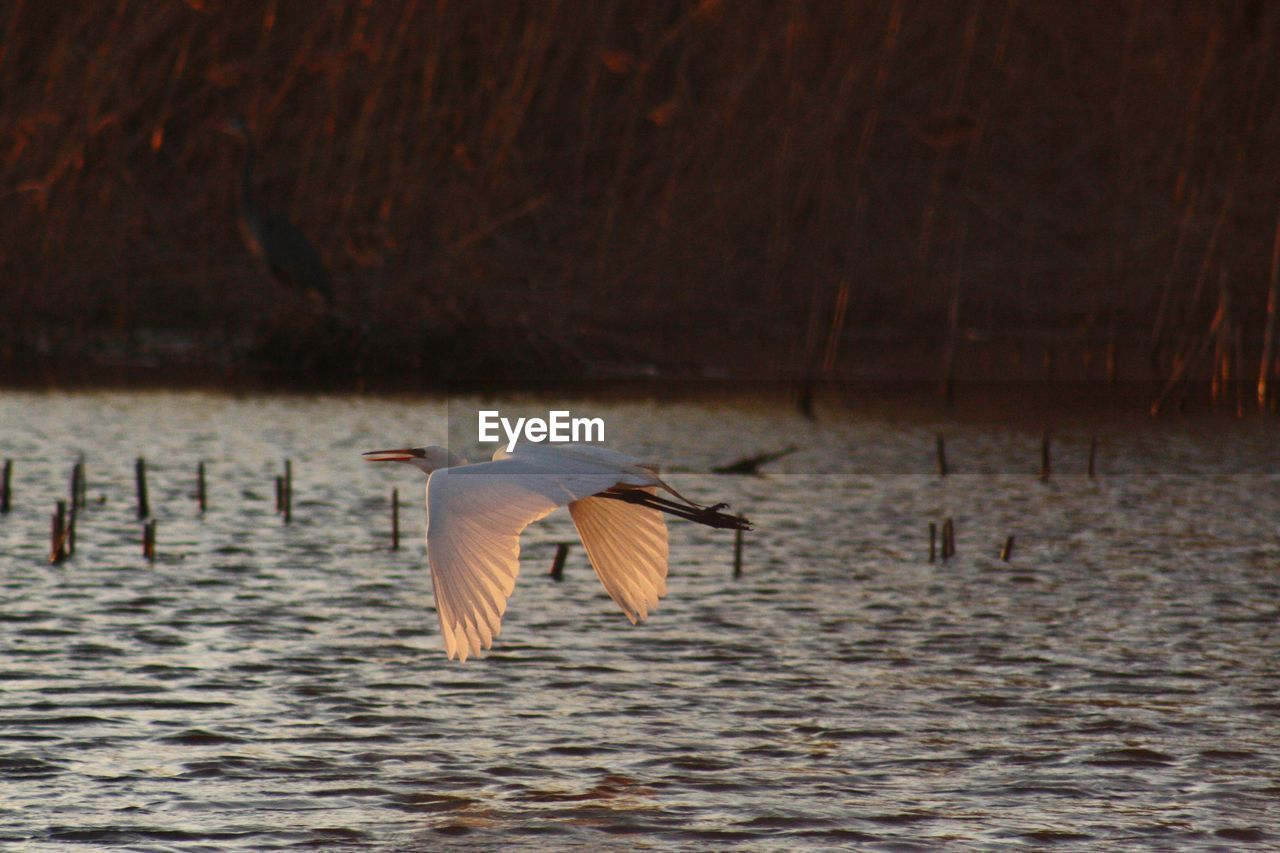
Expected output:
(631, 470)
(581, 458)
(475, 514)
(627, 544)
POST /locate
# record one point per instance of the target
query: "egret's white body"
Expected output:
(475, 514)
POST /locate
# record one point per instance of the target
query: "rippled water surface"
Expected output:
(264, 686)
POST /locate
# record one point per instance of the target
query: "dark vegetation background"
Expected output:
(886, 189)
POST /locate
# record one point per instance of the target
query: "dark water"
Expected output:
(265, 687)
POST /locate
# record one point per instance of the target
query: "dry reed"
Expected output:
(594, 184)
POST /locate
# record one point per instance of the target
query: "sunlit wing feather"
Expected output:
(627, 545)
(475, 514)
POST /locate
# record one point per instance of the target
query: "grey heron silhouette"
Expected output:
(277, 242)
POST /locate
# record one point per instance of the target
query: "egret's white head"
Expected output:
(426, 459)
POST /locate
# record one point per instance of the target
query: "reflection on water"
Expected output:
(264, 686)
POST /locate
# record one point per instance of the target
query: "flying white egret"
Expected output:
(475, 514)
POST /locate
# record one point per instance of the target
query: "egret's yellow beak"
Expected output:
(403, 455)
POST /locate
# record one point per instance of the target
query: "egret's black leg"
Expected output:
(708, 515)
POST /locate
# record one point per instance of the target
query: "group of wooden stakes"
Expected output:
(63, 520)
(62, 523)
(948, 543)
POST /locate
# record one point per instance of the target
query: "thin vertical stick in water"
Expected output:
(948, 539)
(279, 493)
(1044, 457)
(77, 485)
(933, 541)
(149, 540)
(140, 476)
(942, 455)
(1006, 550)
(395, 519)
(557, 564)
(5, 480)
(201, 492)
(737, 552)
(288, 492)
(288, 503)
(58, 534)
(1093, 456)
(55, 536)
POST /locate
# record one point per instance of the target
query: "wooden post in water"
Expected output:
(737, 552)
(58, 534)
(557, 564)
(942, 455)
(1006, 550)
(933, 541)
(395, 519)
(5, 480)
(140, 476)
(1044, 457)
(55, 537)
(149, 540)
(201, 493)
(1093, 455)
(77, 485)
(288, 492)
(948, 539)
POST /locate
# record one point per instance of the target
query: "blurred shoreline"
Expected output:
(992, 378)
(505, 191)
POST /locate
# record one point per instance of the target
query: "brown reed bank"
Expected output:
(752, 189)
